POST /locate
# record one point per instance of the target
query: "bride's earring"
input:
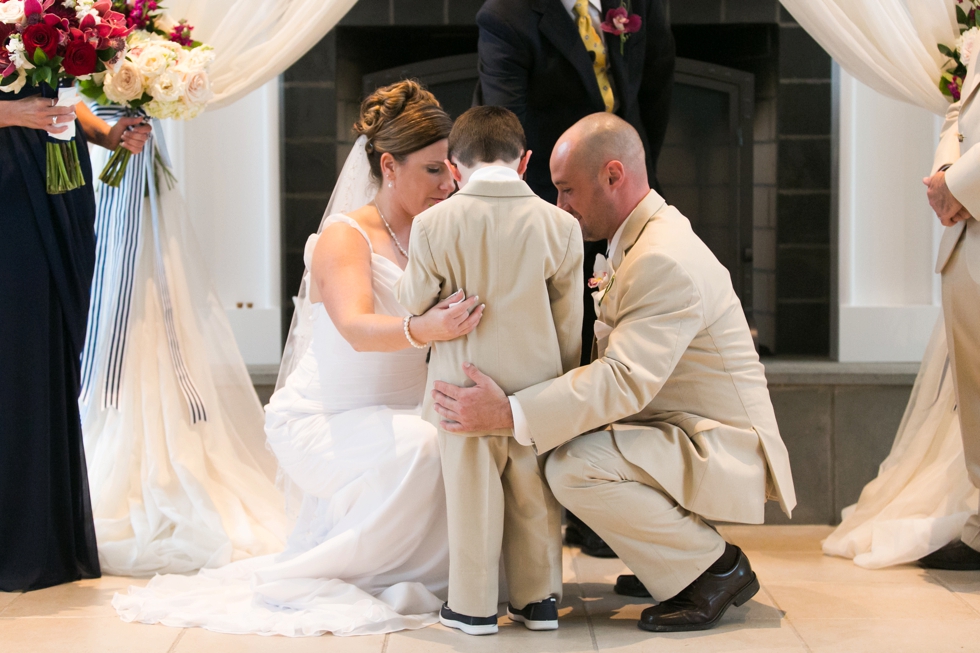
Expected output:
(391, 184)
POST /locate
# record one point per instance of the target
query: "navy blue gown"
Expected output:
(47, 257)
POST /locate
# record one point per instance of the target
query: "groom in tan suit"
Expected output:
(671, 425)
(954, 193)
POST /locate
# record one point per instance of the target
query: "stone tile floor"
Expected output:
(808, 602)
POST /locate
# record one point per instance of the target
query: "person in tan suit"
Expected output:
(954, 194)
(523, 257)
(671, 425)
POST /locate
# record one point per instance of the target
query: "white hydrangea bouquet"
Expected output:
(164, 74)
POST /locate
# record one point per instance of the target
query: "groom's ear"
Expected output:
(522, 166)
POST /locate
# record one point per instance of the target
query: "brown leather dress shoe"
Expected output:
(630, 585)
(700, 605)
(955, 555)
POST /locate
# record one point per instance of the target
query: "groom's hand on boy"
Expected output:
(474, 410)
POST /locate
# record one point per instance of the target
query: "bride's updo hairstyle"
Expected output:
(400, 119)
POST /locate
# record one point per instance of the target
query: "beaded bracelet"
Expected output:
(408, 334)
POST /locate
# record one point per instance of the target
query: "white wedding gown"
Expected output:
(922, 496)
(369, 553)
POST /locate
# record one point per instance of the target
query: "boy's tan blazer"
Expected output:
(677, 376)
(523, 257)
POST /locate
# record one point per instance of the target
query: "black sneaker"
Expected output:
(542, 615)
(469, 625)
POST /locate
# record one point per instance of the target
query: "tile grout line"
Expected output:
(384, 643)
(588, 620)
(951, 591)
(789, 622)
(180, 636)
(585, 608)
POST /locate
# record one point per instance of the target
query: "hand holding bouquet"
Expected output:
(163, 74)
(47, 44)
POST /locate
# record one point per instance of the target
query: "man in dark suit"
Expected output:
(534, 61)
(549, 62)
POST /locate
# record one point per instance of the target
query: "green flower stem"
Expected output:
(64, 171)
(115, 169)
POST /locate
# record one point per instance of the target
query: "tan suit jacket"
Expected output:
(523, 257)
(678, 356)
(958, 143)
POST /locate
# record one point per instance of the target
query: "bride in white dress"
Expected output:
(922, 496)
(369, 553)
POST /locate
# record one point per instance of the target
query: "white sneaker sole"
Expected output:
(490, 629)
(533, 625)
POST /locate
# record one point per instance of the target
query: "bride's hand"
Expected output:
(446, 322)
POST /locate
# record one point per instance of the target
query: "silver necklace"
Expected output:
(388, 227)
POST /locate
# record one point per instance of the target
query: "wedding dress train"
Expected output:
(369, 553)
(922, 496)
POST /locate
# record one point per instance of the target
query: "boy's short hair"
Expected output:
(485, 135)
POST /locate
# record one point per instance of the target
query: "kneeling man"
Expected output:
(671, 424)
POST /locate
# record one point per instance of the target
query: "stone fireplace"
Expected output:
(747, 156)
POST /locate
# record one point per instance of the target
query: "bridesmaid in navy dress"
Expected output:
(47, 255)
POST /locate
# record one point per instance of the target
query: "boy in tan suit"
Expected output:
(523, 256)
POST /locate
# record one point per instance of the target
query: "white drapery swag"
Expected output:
(256, 40)
(889, 45)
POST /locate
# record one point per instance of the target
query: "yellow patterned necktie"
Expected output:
(595, 46)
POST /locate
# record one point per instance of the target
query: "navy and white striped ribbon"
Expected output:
(119, 241)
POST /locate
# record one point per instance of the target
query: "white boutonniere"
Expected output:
(602, 280)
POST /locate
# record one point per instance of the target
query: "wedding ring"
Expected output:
(54, 120)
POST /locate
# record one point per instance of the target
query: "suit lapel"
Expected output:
(637, 220)
(559, 28)
(969, 85)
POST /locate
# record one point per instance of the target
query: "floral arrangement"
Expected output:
(961, 54)
(163, 74)
(601, 281)
(47, 44)
(622, 23)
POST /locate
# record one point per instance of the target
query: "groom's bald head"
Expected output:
(599, 167)
(596, 140)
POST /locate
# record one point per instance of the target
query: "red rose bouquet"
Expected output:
(49, 43)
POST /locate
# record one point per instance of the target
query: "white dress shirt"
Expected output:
(614, 242)
(494, 173)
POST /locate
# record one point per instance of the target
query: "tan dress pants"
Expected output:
(499, 502)
(961, 309)
(666, 546)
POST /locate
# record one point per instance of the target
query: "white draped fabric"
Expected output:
(922, 495)
(256, 40)
(889, 45)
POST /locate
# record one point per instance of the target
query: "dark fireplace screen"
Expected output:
(705, 167)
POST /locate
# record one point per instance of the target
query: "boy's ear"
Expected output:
(522, 166)
(454, 171)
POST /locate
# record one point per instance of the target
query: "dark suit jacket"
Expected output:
(533, 61)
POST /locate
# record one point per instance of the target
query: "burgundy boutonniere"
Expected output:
(622, 23)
